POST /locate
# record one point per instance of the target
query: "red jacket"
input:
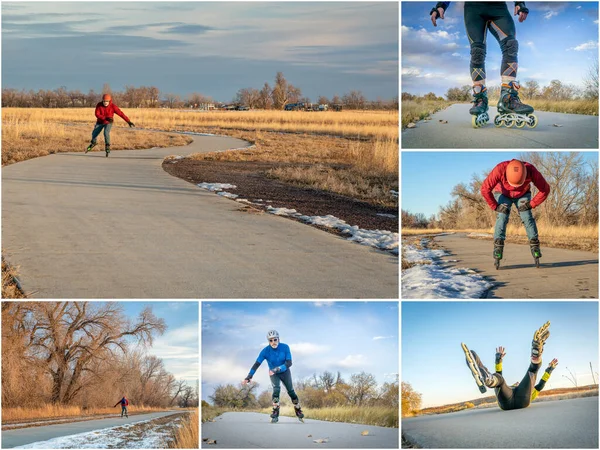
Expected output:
(496, 182)
(102, 112)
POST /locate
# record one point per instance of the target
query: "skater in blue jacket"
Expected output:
(279, 359)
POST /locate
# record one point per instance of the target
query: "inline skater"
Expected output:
(279, 359)
(124, 404)
(479, 17)
(510, 183)
(519, 395)
(105, 110)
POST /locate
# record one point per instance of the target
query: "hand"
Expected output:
(502, 208)
(131, 124)
(439, 12)
(109, 119)
(521, 12)
(525, 206)
(246, 380)
(500, 354)
(552, 365)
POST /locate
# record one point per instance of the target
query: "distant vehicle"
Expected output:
(243, 108)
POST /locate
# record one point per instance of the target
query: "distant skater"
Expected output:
(105, 111)
(519, 395)
(124, 404)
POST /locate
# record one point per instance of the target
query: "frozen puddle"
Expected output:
(380, 239)
(431, 279)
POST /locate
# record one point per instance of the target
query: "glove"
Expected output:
(109, 119)
(522, 7)
(277, 369)
(248, 378)
(525, 206)
(552, 365)
(131, 124)
(502, 208)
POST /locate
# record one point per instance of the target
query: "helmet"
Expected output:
(516, 173)
(106, 98)
(272, 334)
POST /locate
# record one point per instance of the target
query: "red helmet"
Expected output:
(516, 173)
(106, 98)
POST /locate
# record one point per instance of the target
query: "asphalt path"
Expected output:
(562, 274)
(549, 424)
(254, 430)
(86, 226)
(575, 131)
(24, 436)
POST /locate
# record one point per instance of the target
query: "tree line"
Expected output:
(573, 198)
(276, 97)
(84, 354)
(318, 391)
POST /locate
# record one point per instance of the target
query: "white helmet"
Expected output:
(272, 334)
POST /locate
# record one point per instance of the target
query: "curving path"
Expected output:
(87, 226)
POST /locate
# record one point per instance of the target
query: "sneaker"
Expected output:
(478, 370)
(539, 338)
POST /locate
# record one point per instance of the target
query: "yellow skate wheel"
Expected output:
(521, 123)
(534, 122)
(509, 123)
(498, 121)
(474, 121)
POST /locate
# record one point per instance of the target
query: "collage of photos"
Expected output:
(300, 224)
(200, 224)
(499, 224)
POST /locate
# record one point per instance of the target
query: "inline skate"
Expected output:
(512, 112)
(479, 111)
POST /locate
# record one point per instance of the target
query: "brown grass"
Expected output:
(569, 237)
(188, 434)
(10, 289)
(370, 415)
(49, 411)
(210, 412)
(415, 110)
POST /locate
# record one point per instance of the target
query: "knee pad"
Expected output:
(477, 54)
(510, 47)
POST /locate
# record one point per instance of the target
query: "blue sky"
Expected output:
(559, 40)
(215, 48)
(349, 337)
(428, 177)
(178, 347)
(434, 364)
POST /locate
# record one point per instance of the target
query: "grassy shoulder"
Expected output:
(415, 110)
(569, 237)
(187, 435)
(378, 416)
(209, 412)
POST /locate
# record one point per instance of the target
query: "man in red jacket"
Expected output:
(508, 184)
(105, 111)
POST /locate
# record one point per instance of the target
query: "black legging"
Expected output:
(481, 16)
(519, 396)
(276, 380)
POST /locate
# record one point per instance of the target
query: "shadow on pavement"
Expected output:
(555, 264)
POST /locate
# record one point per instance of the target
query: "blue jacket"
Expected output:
(279, 359)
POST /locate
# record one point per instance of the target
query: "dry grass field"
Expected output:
(379, 416)
(188, 434)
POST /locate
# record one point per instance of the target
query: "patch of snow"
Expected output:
(113, 437)
(435, 281)
(414, 254)
(216, 187)
(391, 216)
(480, 235)
(227, 194)
(381, 239)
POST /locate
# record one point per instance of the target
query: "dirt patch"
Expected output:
(253, 183)
(10, 282)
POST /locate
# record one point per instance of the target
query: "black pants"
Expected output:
(519, 396)
(481, 16)
(286, 378)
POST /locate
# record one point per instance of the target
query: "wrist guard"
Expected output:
(522, 7)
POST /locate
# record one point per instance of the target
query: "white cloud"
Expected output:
(222, 371)
(321, 304)
(579, 7)
(455, 54)
(307, 349)
(353, 361)
(589, 45)
(377, 338)
(549, 14)
(530, 44)
(411, 71)
(596, 21)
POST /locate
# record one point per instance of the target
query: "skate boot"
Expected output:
(107, 149)
(482, 376)
(275, 413)
(537, 345)
(479, 111)
(91, 146)
(534, 245)
(299, 412)
(498, 251)
(511, 110)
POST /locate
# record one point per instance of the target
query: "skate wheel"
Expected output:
(533, 121)
(521, 123)
(474, 121)
(498, 121)
(509, 123)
